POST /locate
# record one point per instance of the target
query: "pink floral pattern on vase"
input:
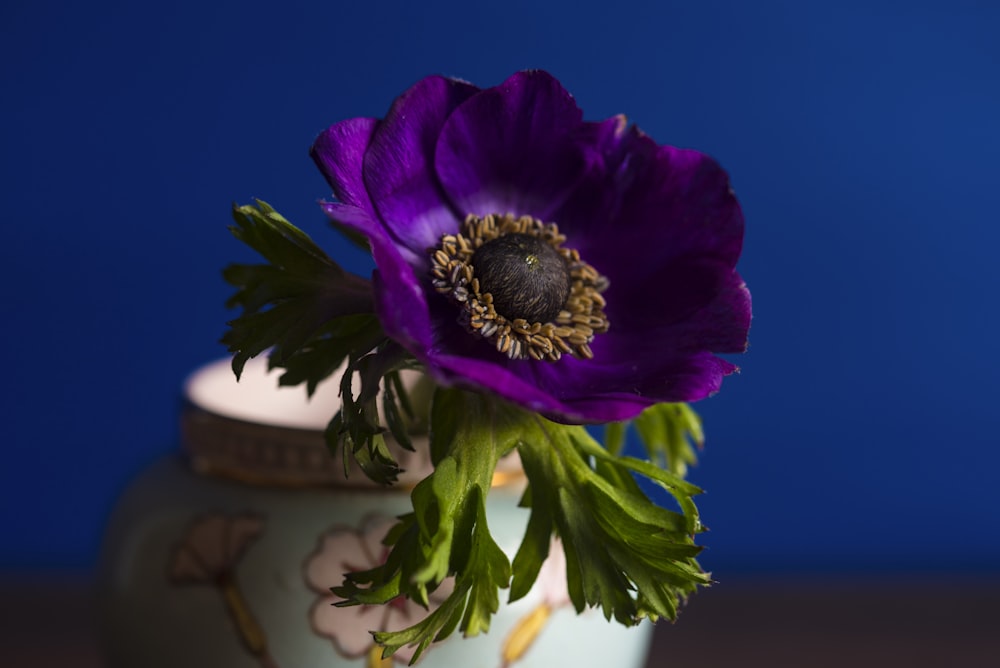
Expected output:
(345, 549)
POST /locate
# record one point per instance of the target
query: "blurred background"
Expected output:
(858, 445)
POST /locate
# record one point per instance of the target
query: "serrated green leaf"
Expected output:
(614, 436)
(447, 534)
(357, 426)
(669, 433)
(533, 552)
(325, 352)
(289, 305)
(624, 553)
(398, 427)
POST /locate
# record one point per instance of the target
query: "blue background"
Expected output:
(862, 138)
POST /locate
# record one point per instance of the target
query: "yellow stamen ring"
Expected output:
(570, 332)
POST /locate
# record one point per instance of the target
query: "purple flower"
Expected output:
(611, 285)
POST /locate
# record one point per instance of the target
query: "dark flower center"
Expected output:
(526, 276)
(519, 289)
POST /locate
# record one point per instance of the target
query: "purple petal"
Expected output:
(339, 153)
(616, 153)
(399, 297)
(579, 391)
(609, 388)
(720, 325)
(635, 365)
(677, 199)
(398, 168)
(605, 395)
(661, 223)
(480, 374)
(508, 148)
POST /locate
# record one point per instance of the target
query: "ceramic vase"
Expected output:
(223, 554)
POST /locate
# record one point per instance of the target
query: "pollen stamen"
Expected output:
(570, 331)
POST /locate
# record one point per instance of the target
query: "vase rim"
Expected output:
(258, 398)
(259, 432)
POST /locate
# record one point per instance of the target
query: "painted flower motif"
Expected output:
(552, 578)
(344, 550)
(209, 554)
(551, 584)
(576, 268)
(212, 547)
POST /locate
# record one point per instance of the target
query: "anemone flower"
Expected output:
(575, 268)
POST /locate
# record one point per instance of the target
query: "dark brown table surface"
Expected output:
(46, 621)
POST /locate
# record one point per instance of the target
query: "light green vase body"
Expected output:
(222, 556)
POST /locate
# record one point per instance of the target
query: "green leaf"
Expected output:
(357, 427)
(614, 436)
(394, 408)
(312, 317)
(624, 553)
(293, 304)
(669, 433)
(534, 549)
(447, 535)
(325, 352)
